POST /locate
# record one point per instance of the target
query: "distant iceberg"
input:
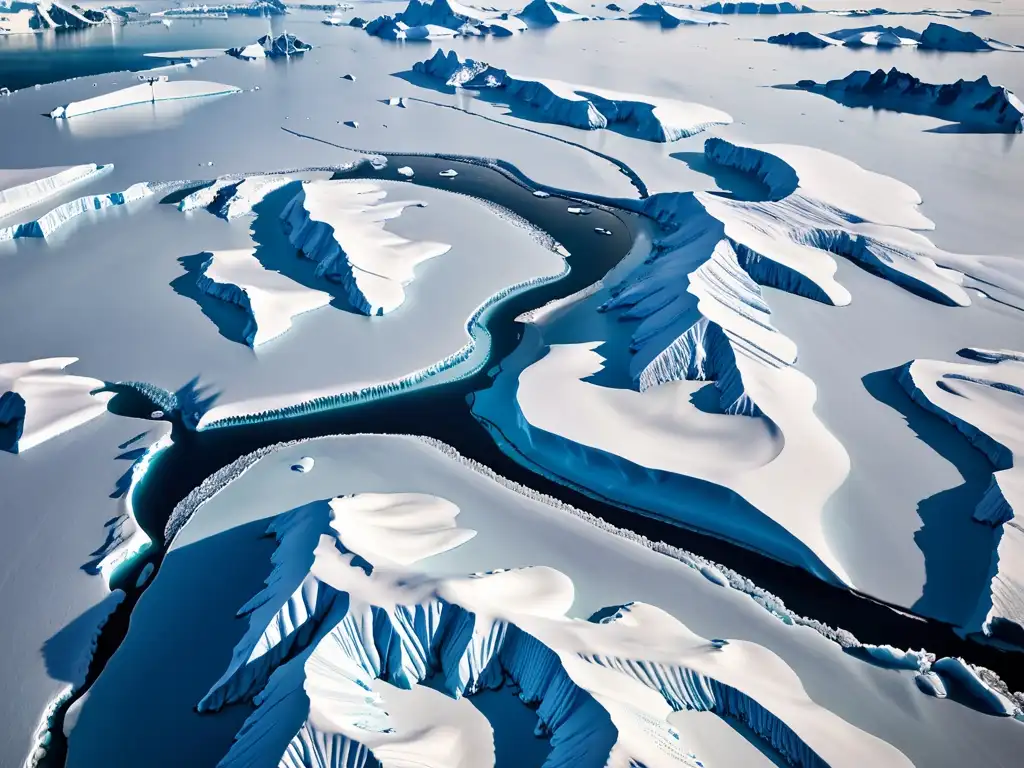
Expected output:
(542, 13)
(643, 117)
(976, 105)
(255, 8)
(157, 89)
(38, 401)
(936, 37)
(754, 8)
(670, 16)
(433, 19)
(269, 299)
(283, 45)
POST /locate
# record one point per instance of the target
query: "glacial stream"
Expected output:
(441, 412)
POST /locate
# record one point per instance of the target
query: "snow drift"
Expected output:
(158, 89)
(340, 225)
(644, 117)
(976, 105)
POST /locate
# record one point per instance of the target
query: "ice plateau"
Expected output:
(156, 89)
(644, 117)
(340, 225)
(38, 401)
(975, 105)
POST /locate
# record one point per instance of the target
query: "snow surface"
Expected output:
(269, 299)
(984, 403)
(644, 117)
(976, 105)
(539, 573)
(38, 401)
(144, 93)
(935, 37)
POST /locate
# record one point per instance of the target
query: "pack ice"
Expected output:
(643, 117)
(976, 105)
(157, 89)
(345, 605)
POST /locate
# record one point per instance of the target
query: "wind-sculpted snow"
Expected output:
(340, 225)
(338, 613)
(986, 404)
(643, 117)
(38, 401)
(160, 89)
(935, 37)
(21, 189)
(269, 299)
(975, 105)
(53, 220)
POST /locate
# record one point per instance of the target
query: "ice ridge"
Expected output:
(643, 117)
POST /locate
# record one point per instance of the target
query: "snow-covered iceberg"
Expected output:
(985, 402)
(345, 606)
(282, 46)
(38, 401)
(157, 89)
(975, 105)
(269, 299)
(936, 37)
(52, 220)
(340, 225)
(24, 188)
(637, 115)
(546, 13)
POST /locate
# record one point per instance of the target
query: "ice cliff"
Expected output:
(976, 105)
(340, 225)
(23, 189)
(38, 401)
(54, 219)
(340, 610)
(985, 402)
(936, 37)
(644, 117)
(269, 299)
(158, 89)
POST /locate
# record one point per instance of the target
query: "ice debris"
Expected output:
(406, 171)
(448, 174)
(643, 117)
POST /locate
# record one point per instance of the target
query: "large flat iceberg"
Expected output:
(157, 89)
(23, 188)
(644, 117)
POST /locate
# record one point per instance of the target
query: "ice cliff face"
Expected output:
(269, 299)
(38, 401)
(755, 8)
(985, 402)
(977, 104)
(231, 196)
(339, 612)
(644, 117)
(340, 225)
(54, 219)
(23, 189)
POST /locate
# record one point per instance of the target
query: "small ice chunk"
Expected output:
(578, 211)
(156, 414)
(719, 643)
(541, 193)
(395, 101)
(349, 77)
(144, 575)
(449, 174)
(352, 123)
(406, 171)
(303, 465)
(378, 162)
(602, 231)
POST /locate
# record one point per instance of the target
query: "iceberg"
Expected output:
(51, 221)
(976, 105)
(38, 401)
(985, 402)
(942, 37)
(671, 16)
(269, 299)
(21, 189)
(22, 17)
(284, 45)
(546, 13)
(255, 8)
(340, 225)
(230, 196)
(644, 117)
(751, 8)
(936, 37)
(156, 89)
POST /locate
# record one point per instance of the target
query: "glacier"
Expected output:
(644, 117)
(338, 611)
(21, 189)
(156, 89)
(38, 401)
(935, 37)
(984, 402)
(975, 105)
(340, 225)
(269, 300)
(56, 218)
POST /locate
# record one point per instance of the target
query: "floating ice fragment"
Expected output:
(395, 101)
(352, 123)
(578, 211)
(144, 575)
(449, 174)
(602, 231)
(541, 193)
(406, 171)
(156, 415)
(350, 78)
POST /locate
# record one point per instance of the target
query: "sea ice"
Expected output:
(159, 89)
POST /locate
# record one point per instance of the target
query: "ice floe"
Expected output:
(340, 225)
(975, 105)
(38, 401)
(935, 37)
(644, 117)
(985, 402)
(157, 89)
(269, 300)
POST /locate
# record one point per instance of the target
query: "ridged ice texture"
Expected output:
(340, 225)
(50, 222)
(24, 195)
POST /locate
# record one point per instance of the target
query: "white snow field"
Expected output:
(38, 401)
(373, 571)
(935, 37)
(645, 117)
(983, 402)
(268, 299)
(162, 89)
